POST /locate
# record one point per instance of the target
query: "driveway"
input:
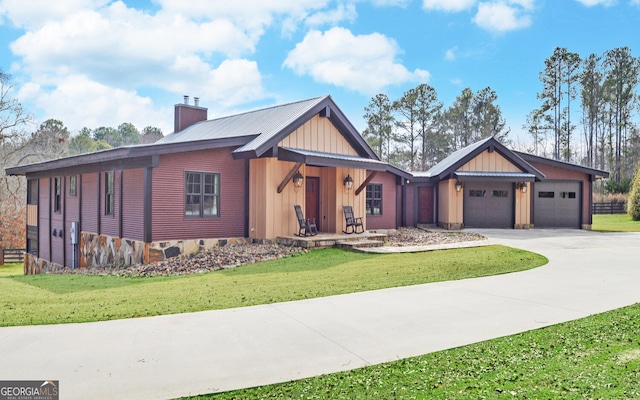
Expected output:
(178, 355)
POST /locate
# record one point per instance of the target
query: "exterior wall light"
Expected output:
(458, 186)
(522, 186)
(348, 182)
(298, 180)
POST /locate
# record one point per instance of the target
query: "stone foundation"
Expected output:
(107, 250)
(523, 226)
(452, 226)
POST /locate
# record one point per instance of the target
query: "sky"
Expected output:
(92, 63)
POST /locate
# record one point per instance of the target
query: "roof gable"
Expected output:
(456, 160)
(597, 173)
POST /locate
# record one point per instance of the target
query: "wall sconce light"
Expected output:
(298, 180)
(522, 186)
(348, 182)
(458, 186)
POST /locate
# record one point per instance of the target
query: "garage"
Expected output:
(488, 205)
(557, 204)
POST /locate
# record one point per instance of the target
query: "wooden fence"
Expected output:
(12, 256)
(609, 208)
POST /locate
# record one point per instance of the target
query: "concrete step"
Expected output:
(358, 244)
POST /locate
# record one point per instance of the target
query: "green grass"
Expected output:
(11, 269)
(615, 223)
(593, 358)
(52, 299)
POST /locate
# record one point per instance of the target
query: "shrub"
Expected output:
(633, 200)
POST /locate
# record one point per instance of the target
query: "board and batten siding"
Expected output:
(72, 213)
(489, 162)
(44, 232)
(89, 201)
(110, 224)
(57, 222)
(133, 204)
(169, 221)
(318, 134)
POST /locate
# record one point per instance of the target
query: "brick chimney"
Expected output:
(186, 114)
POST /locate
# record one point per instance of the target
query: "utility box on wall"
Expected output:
(74, 233)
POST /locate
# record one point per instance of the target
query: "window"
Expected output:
(57, 194)
(202, 195)
(477, 193)
(108, 193)
(500, 193)
(374, 199)
(568, 195)
(32, 191)
(72, 185)
(546, 195)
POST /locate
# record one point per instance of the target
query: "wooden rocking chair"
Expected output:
(307, 225)
(352, 222)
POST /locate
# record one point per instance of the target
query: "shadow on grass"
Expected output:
(63, 284)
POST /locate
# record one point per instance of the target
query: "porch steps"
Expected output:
(344, 241)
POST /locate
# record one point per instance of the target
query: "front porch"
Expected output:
(340, 240)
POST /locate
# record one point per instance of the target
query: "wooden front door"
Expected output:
(312, 200)
(425, 205)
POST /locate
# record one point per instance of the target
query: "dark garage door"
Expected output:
(488, 205)
(556, 204)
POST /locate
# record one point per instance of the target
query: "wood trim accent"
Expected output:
(287, 178)
(364, 184)
(148, 204)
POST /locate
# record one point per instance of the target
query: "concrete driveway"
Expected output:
(179, 355)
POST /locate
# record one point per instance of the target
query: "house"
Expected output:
(231, 179)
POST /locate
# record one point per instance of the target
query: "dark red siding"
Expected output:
(168, 221)
(72, 213)
(133, 204)
(411, 213)
(110, 224)
(555, 173)
(89, 210)
(44, 235)
(57, 224)
(388, 218)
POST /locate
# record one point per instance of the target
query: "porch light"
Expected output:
(348, 182)
(298, 180)
(522, 186)
(458, 186)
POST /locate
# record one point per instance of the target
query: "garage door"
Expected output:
(488, 205)
(556, 204)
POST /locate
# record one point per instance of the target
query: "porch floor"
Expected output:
(323, 240)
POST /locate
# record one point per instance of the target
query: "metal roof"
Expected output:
(322, 159)
(598, 173)
(453, 158)
(265, 122)
(496, 176)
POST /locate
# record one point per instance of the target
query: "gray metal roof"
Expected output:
(322, 159)
(496, 176)
(265, 122)
(453, 158)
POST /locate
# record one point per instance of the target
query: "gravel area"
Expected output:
(233, 255)
(419, 237)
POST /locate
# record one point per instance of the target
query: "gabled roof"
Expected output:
(270, 125)
(596, 173)
(255, 133)
(446, 168)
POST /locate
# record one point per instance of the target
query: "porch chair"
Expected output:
(307, 225)
(352, 222)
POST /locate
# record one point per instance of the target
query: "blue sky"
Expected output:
(100, 63)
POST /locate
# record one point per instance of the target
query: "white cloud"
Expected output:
(606, 3)
(341, 13)
(501, 17)
(456, 81)
(450, 55)
(390, 3)
(363, 63)
(448, 5)
(33, 13)
(84, 102)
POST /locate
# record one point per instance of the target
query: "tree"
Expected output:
(633, 200)
(150, 134)
(128, 134)
(621, 79)
(81, 144)
(434, 143)
(459, 120)
(109, 135)
(407, 108)
(592, 98)
(380, 124)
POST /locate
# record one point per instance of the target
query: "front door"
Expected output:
(425, 208)
(312, 200)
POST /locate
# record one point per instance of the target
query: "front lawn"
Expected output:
(592, 358)
(54, 299)
(615, 223)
